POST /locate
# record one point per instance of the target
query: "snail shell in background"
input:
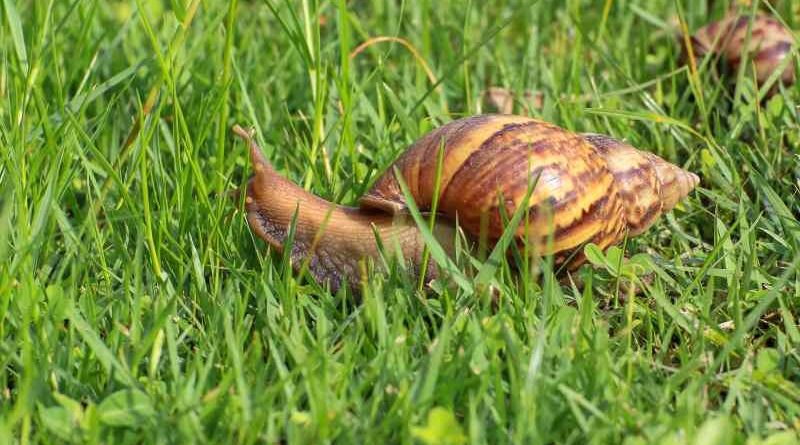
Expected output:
(770, 43)
(588, 188)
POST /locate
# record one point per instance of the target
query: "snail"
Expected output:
(770, 43)
(587, 188)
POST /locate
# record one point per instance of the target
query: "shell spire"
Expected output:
(648, 185)
(675, 182)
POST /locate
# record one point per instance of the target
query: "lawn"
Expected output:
(136, 306)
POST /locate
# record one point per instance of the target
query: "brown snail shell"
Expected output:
(589, 188)
(770, 43)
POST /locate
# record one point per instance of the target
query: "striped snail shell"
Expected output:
(770, 43)
(588, 188)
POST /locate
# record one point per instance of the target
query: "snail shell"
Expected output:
(588, 188)
(770, 43)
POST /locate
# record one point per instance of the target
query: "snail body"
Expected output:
(770, 43)
(586, 188)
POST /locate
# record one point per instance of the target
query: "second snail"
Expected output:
(762, 39)
(588, 188)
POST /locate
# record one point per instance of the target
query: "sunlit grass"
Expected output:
(137, 307)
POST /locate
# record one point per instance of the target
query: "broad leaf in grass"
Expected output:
(128, 407)
(442, 428)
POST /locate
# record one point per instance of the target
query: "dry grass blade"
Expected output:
(406, 44)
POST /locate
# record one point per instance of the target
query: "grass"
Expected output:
(137, 307)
